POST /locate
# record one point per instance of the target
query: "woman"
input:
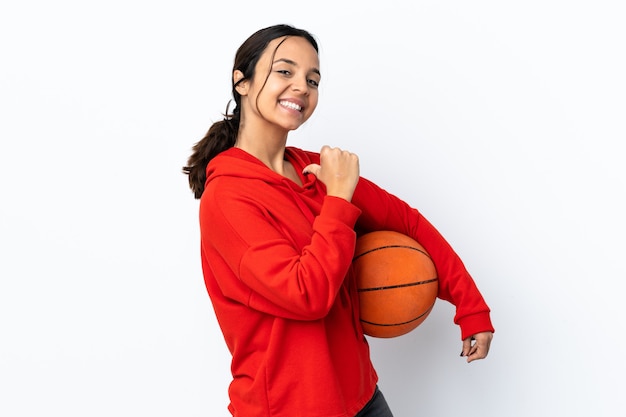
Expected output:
(278, 230)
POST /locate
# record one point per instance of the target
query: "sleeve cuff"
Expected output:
(475, 323)
(340, 209)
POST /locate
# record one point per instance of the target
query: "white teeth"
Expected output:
(290, 105)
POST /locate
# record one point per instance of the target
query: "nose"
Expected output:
(301, 85)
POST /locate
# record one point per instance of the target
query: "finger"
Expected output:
(325, 149)
(479, 350)
(477, 354)
(312, 169)
(473, 350)
(467, 345)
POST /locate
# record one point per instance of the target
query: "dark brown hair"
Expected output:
(223, 134)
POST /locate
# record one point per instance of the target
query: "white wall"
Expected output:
(503, 122)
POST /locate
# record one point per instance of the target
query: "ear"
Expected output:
(242, 87)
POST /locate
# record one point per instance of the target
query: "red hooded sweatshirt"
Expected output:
(276, 259)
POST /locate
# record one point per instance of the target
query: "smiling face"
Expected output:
(284, 91)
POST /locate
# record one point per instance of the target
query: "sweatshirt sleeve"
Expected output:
(384, 211)
(256, 264)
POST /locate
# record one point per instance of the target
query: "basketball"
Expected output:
(397, 283)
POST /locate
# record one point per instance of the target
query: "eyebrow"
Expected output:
(290, 62)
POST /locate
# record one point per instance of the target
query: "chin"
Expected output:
(291, 126)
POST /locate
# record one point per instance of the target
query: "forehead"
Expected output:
(294, 48)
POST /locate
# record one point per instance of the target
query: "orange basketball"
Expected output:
(397, 283)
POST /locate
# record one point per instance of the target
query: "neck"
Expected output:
(269, 149)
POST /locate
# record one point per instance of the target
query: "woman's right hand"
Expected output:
(338, 170)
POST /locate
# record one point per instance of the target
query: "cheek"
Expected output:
(268, 94)
(261, 100)
(313, 102)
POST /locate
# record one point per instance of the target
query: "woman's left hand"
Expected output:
(477, 346)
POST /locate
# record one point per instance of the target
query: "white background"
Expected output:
(503, 122)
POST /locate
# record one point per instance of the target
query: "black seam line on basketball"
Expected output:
(400, 324)
(390, 287)
(391, 246)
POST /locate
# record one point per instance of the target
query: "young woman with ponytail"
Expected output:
(278, 230)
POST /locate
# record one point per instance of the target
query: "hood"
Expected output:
(235, 162)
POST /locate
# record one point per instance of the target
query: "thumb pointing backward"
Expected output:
(312, 169)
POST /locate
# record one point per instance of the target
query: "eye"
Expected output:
(313, 83)
(283, 72)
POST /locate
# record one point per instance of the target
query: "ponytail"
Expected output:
(221, 136)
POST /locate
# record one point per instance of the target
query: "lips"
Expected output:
(290, 105)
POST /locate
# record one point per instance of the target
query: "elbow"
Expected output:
(318, 312)
(311, 310)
